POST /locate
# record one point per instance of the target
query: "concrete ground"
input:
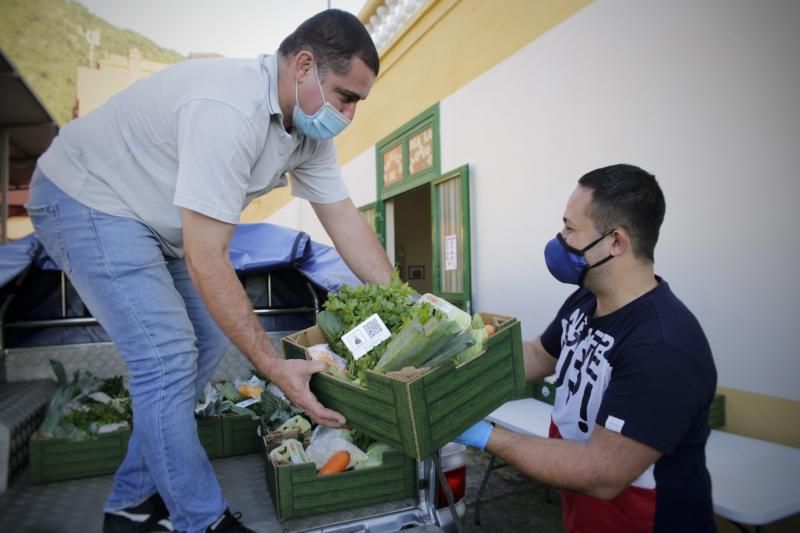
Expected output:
(515, 502)
(511, 500)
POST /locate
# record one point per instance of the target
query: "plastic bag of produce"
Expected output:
(326, 441)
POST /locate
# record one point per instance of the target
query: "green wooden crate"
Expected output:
(716, 414)
(209, 430)
(61, 459)
(422, 414)
(240, 435)
(298, 491)
(544, 391)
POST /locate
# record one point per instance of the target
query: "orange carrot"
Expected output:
(250, 391)
(337, 463)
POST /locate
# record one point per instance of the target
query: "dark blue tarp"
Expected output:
(262, 247)
(289, 256)
(254, 248)
(16, 256)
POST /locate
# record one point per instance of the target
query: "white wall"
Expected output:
(359, 175)
(706, 95)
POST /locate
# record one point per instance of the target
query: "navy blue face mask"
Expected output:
(568, 264)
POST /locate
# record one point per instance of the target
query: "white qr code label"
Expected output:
(365, 336)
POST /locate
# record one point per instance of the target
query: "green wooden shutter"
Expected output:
(374, 215)
(451, 238)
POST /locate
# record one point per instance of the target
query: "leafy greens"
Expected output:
(344, 310)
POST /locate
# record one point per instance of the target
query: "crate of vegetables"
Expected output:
(438, 372)
(318, 470)
(86, 428)
(228, 416)
(58, 459)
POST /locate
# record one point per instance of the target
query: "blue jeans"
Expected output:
(148, 305)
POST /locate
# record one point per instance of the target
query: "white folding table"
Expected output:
(526, 416)
(754, 482)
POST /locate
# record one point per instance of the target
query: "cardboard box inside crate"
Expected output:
(424, 413)
(298, 491)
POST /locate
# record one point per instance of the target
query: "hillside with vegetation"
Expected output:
(46, 41)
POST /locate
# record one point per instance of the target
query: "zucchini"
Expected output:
(458, 344)
(481, 338)
(416, 343)
(331, 325)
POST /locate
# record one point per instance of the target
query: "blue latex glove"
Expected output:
(477, 436)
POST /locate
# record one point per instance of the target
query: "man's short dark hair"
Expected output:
(627, 196)
(334, 37)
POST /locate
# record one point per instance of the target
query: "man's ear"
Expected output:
(621, 242)
(303, 65)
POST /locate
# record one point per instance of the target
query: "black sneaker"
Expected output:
(150, 515)
(229, 522)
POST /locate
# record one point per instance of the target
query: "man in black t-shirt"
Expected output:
(635, 375)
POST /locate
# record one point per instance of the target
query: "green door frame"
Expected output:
(380, 220)
(461, 299)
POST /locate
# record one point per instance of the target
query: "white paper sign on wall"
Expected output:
(450, 252)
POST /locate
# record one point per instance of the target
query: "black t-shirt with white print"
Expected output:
(645, 371)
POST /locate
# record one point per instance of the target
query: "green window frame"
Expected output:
(403, 138)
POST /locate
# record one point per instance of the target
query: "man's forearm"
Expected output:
(227, 302)
(538, 363)
(366, 258)
(556, 462)
(208, 261)
(361, 250)
(355, 241)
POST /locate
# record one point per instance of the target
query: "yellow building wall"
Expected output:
(448, 44)
(19, 227)
(761, 416)
(113, 74)
(265, 205)
(451, 43)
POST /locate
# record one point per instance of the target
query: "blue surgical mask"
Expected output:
(568, 264)
(326, 123)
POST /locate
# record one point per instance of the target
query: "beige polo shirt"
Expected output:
(205, 135)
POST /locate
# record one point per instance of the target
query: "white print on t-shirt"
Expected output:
(583, 374)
